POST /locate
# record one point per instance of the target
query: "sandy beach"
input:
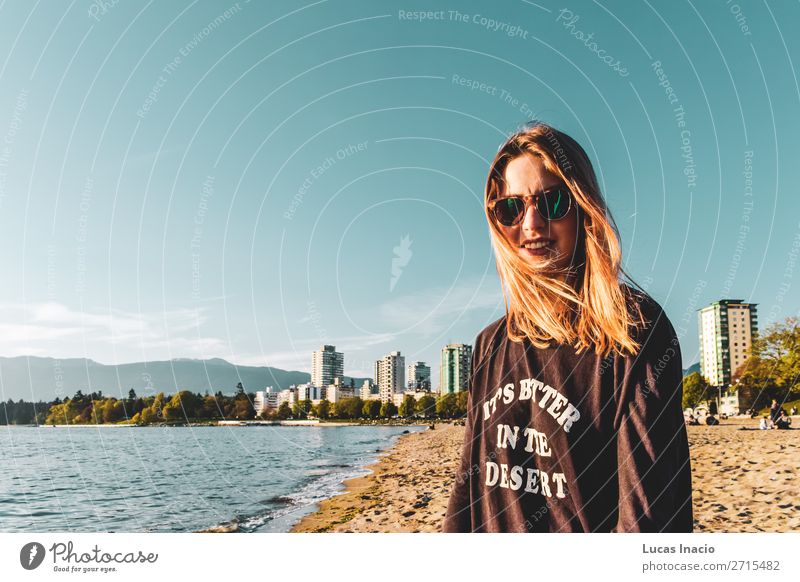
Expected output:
(743, 480)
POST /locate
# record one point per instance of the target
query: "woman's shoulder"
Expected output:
(489, 336)
(653, 327)
(639, 297)
(642, 306)
(491, 332)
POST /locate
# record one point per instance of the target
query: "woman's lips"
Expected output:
(537, 252)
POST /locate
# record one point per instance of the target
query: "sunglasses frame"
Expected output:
(531, 199)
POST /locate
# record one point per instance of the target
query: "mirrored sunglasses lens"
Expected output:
(508, 210)
(554, 204)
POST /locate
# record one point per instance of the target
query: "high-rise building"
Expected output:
(289, 395)
(455, 368)
(727, 329)
(326, 364)
(336, 392)
(418, 376)
(309, 392)
(390, 372)
(265, 399)
(367, 392)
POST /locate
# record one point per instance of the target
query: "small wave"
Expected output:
(281, 499)
(323, 481)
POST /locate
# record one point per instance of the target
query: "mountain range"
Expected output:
(34, 378)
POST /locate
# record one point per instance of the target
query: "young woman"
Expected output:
(574, 411)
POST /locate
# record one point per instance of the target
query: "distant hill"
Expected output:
(692, 369)
(35, 378)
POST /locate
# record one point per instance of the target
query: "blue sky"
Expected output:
(252, 180)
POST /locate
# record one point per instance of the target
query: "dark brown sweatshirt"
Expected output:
(563, 442)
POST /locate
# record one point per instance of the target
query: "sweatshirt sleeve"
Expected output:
(653, 467)
(458, 517)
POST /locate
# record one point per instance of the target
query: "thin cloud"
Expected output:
(432, 311)
(55, 328)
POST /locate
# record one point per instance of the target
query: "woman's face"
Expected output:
(526, 175)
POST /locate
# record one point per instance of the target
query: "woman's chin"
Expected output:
(535, 258)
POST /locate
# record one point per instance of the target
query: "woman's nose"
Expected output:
(532, 220)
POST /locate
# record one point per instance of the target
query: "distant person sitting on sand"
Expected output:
(774, 411)
(575, 421)
(763, 424)
(794, 411)
(783, 421)
(711, 420)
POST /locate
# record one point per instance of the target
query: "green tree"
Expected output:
(323, 409)
(774, 361)
(447, 405)
(426, 406)
(243, 409)
(407, 407)
(371, 408)
(211, 407)
(301, 408)
(115, 412)
(284, 411)
(158, 405)
(171, 413)
(349, 408)
(388, 409)
(695, 390)
(461, 403)
(187, 404)
(86, 413)
(148, 415)
(59, 413)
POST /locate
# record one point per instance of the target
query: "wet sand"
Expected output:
(743, 480)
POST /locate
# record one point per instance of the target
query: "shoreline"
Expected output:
(743, 480)
(394, 497)
(312, 508)
(225, 423)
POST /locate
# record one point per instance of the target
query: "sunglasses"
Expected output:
(553, 204)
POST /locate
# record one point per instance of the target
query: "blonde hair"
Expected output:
(597, 305)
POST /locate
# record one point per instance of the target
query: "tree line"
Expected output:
(186, 406)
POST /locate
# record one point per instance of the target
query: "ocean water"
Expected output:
(181, 479)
